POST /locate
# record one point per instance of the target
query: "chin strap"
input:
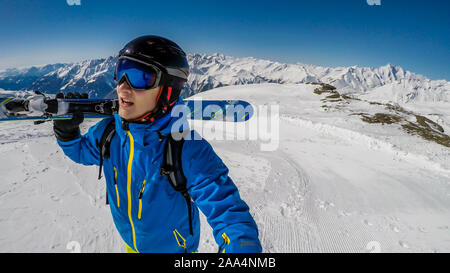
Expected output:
(163, 105)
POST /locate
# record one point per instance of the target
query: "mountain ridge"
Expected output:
(95, 76)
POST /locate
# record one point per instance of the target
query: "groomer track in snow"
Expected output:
(333, 183)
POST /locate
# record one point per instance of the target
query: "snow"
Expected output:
(389, 82)
(330, 182)
(219, 70)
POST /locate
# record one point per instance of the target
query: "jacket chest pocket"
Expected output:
(116, 188)
(140, 195)
(113, 192)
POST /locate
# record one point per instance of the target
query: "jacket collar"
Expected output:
(146, 134)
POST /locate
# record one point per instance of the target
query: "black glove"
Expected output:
(68, 129)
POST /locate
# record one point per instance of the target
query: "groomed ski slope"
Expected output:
(331, 183)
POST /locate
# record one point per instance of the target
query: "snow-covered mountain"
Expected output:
(219, 70)
(92, 76)
(15, 79)
(389, 83)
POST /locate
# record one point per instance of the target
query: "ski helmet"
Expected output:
(171, 66)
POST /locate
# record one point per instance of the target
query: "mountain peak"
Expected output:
(95, 76)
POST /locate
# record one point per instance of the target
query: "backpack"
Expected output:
(171, 167)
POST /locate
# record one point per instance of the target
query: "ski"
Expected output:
(219, 110)
(41, 108)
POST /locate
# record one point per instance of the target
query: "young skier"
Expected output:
(149, 214)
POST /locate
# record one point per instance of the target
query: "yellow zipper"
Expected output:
(141, 192)
(130, 162)
(115, 185)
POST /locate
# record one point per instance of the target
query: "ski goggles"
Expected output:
(138, 74)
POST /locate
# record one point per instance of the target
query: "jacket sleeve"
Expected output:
(216, 195)
(83, 149)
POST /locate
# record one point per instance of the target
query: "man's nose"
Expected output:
(124, 87)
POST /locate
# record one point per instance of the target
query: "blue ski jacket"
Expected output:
(148, 213)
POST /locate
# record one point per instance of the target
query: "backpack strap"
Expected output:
(103, 145)
(172, 169)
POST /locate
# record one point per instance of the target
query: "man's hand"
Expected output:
(69, 129)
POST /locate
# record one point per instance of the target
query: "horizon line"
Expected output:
(218, 54)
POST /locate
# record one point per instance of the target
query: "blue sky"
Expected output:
(412, 34)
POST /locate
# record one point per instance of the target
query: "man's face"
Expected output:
(135, 103)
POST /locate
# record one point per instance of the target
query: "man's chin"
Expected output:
(132, 116)
(127, 116)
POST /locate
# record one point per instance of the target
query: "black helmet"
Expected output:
(170, 59)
